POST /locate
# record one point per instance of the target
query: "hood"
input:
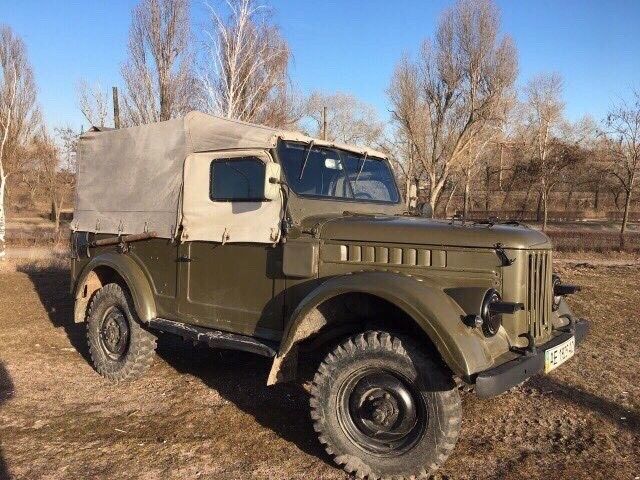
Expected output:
(423, 231)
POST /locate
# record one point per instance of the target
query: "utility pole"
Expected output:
(324, 123)
(116, 108)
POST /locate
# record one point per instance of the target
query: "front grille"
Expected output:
(539, 295)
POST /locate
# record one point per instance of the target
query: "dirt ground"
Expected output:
(201, 413)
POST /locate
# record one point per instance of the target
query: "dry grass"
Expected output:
(201, 413)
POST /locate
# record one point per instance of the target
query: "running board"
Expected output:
(215, 338)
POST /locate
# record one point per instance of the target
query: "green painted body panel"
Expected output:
(232, 287)
(424, 231)
(423, 299)
(138, 281)
(436, 271)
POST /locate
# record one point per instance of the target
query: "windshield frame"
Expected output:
(341, 151)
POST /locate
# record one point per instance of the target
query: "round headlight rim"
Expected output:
(490, 323)
(555, 280)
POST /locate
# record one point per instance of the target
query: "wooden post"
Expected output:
(116, 108)
(324, 123)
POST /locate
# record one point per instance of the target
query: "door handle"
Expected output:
(184, 259)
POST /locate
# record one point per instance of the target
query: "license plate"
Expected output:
(556, 356)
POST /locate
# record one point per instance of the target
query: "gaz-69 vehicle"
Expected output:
(294, 248)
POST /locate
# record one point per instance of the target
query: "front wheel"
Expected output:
(120, 348)
(383, 409)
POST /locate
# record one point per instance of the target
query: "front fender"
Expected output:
(134, 277)
(422, 299)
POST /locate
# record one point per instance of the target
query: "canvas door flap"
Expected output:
(225, 221)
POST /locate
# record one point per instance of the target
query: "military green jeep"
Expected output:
(249, 238)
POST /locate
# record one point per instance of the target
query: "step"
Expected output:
(216, 338)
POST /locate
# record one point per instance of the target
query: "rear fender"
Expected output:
(134, 277)
(461, 348)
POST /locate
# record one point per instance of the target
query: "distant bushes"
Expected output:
(593, 241)
(554, 216)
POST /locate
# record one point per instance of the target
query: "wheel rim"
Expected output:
(381, 411)
(114, 333)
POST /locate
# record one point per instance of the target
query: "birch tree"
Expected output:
(623, 122)
(19, 114)
(244, 73)
(454, 89)
(158, 77)
(545, 116)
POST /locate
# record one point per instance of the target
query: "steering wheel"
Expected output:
(364, 195)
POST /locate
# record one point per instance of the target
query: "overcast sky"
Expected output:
(345, 45)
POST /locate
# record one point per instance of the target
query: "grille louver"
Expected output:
(539, 296)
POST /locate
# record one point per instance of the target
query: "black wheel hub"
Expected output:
(381, 411)
(114, 333)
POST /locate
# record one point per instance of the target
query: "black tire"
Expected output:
(120, 348)
(383, 409)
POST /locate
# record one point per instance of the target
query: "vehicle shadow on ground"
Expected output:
(6, 393)
(52, 285)
(624, 418)
(240, 378)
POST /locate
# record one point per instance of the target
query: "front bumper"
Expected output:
(501, 378)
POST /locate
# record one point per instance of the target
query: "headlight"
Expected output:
(560, 290)
(555, 282)
(491, 320)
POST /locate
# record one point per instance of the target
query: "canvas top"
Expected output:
(130, 180)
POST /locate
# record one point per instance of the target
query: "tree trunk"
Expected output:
(596, 200)
(487, 190)
(465, 201)
(3, 221)
(539, 207)
(544, 211)
(446, 205)
(625, 218)
(568, 204)
(54, 216)
(56, 219)
(616, 198)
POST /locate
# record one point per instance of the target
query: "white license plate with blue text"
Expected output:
(556, 356)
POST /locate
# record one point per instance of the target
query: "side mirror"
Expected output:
(426, 210)
(272, 180)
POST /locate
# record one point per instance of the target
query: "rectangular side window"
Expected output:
(238, 179)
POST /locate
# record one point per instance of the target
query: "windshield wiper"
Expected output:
(364, 159)
(304, 164)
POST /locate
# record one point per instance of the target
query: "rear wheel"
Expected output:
(120, 348)
(383, 409)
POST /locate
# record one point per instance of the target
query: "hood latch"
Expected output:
(502, 255)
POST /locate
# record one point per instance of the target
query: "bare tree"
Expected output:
(469, 165)
(158, 73)
(244, 76)
(623, 122)
(445, 99)
(94, 103)
(54, 162)
(349, 120)
(19, 114)
(545, 116)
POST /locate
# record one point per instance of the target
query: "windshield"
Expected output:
(330, 172)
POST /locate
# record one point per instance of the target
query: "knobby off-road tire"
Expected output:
(120, 348)
(383, 409)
